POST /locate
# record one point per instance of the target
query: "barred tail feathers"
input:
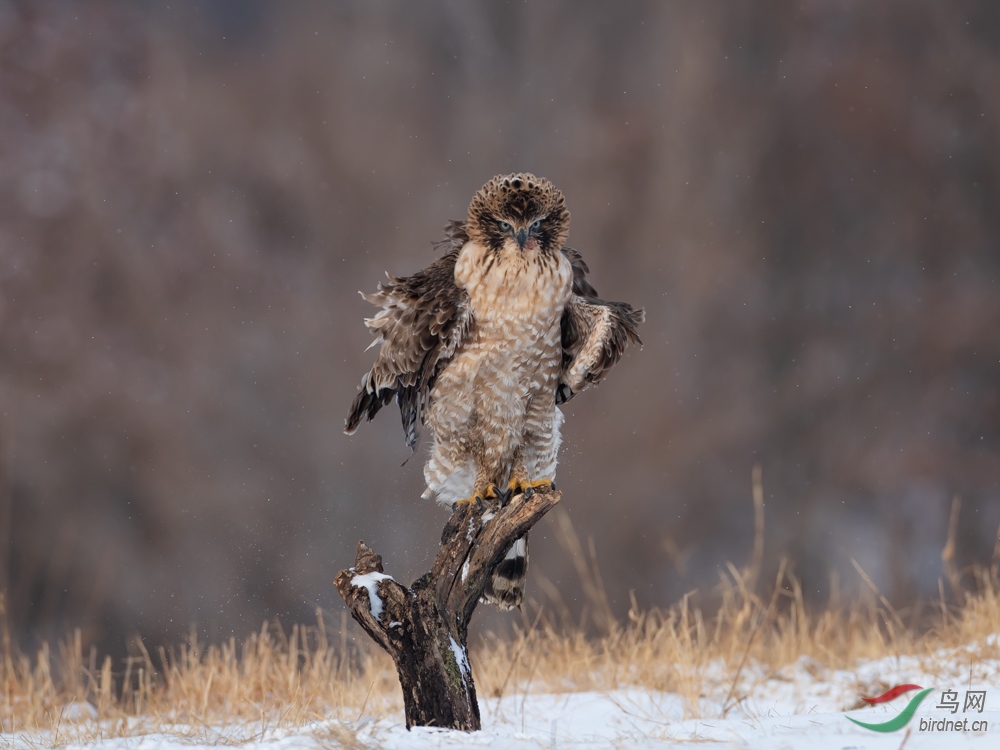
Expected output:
(506, 590)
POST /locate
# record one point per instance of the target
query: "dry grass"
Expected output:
(276, 680)
(683, 651)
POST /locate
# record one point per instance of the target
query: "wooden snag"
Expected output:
(424, 627)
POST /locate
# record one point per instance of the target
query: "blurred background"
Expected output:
(803, 196)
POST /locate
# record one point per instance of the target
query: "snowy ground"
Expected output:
(801, 706)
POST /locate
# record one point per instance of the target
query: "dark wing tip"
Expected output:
(629, 319)
(563, 393)
(636, 318)
(366, 405)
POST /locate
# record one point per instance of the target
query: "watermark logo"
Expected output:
(974, 701)
(903, 717)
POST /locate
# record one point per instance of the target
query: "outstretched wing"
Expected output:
(581, 285)
(423, 320)
(594, 333)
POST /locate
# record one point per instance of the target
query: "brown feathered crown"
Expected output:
(513, 202)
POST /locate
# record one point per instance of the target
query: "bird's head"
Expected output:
(519, 211)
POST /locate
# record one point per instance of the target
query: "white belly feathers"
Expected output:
(497, 395)
(517, 301)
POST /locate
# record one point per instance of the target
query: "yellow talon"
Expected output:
(516, 486)
(492, 492)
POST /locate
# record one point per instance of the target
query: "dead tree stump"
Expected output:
(424, 627)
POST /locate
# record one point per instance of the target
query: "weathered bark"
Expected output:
(424, 627)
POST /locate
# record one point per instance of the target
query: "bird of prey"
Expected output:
(483, 345)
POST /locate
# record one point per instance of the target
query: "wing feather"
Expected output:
(423, 320)
(595, 334)
(581, 285)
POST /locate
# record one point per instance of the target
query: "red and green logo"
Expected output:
(903, 717)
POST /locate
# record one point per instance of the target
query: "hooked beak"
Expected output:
(521, 237)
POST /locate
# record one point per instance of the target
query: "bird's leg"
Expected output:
(528, 487)
(484, 490)
(520, 482)
(543, 483)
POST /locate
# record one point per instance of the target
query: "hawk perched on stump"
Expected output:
(485, 343)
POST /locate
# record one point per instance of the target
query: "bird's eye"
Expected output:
(536, 224)
(505, 226)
